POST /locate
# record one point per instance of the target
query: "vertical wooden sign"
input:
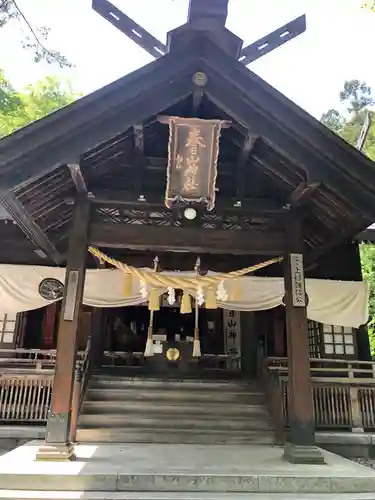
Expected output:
(232, 335)
(298, 280)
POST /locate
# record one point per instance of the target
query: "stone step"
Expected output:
(195, 469)
(140, 421)
(173, 436)
(173, 383)
(181, 408)
(157, 395)
(141, 495)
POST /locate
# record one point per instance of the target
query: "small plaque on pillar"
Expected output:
(298, 280)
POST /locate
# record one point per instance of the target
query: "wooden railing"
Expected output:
(26, 381)
(14, 360)
(25, 398)
(343, 392)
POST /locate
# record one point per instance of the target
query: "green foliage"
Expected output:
(17, 109)
(357, 98)
(36, 38)
(368, 271)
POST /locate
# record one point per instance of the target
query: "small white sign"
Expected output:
(298, 280)
(158, 348)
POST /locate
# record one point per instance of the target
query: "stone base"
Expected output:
(55, 452)
(303, 454)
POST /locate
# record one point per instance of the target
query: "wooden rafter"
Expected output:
(30, 228)
(77, 177)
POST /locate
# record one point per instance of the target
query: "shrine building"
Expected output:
(185, 224)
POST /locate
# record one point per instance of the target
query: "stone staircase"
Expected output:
(120, 409)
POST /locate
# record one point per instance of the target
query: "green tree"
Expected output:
(358, 95)
(357, 98)
(18, 108)
(35, 39)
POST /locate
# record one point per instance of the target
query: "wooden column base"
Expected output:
(55, 452)
(296, 454)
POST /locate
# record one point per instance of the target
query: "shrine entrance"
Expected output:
(125, 338)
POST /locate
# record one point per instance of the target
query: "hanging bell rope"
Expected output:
(153, 305)
(197, 343)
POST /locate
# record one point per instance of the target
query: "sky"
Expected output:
(310, 69)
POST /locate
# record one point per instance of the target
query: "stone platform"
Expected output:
(190, 471)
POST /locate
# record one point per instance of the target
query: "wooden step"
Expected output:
(111, 393)
(141, 421)
(172, 436)
(172, 384)
(174, 408)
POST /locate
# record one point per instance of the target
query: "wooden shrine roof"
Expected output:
(274, 157)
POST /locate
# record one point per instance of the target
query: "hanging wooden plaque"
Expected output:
(193, 152)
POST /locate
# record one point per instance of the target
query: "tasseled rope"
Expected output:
(196, 343)
(210, 298)
(128, 285)
(154, 300)
(153, 305)
(185, 307)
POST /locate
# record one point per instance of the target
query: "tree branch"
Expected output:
(41, 51)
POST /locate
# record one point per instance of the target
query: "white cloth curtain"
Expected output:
(343, 303)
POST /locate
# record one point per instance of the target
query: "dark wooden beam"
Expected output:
(139, 148)
(216, 11)
(152, 200)
(30, 228)
(165, 121)
(77, 177)
(243, 158)
(273, 40)
(302, 193)
(185, 239)
(129, 27)
(139, 139)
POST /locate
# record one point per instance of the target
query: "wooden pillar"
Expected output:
(300, 447)
(49, 322)
(278, 331)
(57, 444)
